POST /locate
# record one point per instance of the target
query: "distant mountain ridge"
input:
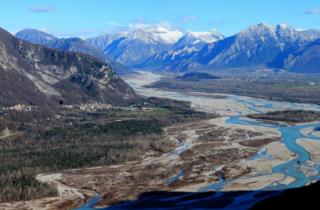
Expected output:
(256, 45)
(132, 48)
(266, 45)
(139, 47)
(165, 49)
(36, 36)
(179, 55)
(69, 44)
(33, 74)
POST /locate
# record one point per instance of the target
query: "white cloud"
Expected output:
(188, 19)
(313, 11)
(44, 9)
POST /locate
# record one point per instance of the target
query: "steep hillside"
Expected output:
(69, 44)
(304, 60)
(33, 74)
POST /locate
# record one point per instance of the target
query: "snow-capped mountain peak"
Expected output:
(156, 34)
(258, 30)
(204, 36)
(142, 41)
(164, 47)
(198, 39)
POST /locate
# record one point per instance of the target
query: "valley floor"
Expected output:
(225, 153)
(199, 147)
(260, 83)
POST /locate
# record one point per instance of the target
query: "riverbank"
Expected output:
(221, 103)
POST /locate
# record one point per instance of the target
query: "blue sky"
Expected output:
(87, 18)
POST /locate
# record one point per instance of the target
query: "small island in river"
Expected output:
(288, 116)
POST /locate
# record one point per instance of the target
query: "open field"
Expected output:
(262, 84)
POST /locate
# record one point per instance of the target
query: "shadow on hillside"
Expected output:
(254, 200)
(187, 200)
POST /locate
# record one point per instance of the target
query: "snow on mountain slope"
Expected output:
(156, 34)
(182, 51)
(164, 47)
(136, 45)
(197, 39)
(256, 45)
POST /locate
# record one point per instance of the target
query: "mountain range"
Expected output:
(131, 48)
(37, 75)
(69, 44)
(257, 45)
(163, 48)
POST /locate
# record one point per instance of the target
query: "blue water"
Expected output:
(260, 106)
(91, 203)
(290, 135)
(176, 178)
(292, 168)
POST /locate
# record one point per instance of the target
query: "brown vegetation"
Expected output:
(290, 116)
(275, 86)
(57, 139)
